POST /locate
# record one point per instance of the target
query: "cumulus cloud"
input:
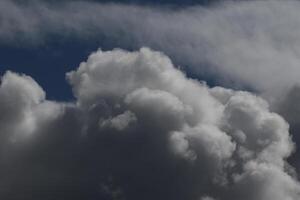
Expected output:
(239, 44)
(141, 129)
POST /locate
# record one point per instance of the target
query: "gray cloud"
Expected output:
(140, 129)
(119, 122)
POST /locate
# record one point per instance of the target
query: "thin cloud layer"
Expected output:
(248, 43)
(140, 129)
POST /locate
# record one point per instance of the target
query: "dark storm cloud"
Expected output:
(288, 106)
(140, 129)
(141, 2)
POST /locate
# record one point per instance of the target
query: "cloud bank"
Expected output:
(140, 129)
(239, 43)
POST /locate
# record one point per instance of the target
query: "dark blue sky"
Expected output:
(47, 63)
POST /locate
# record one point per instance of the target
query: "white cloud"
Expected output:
(19, 95)
(253, 43)
(221, 131)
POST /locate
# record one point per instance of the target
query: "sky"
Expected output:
(150, 99)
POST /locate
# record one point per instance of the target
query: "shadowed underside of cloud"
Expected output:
(140, 129)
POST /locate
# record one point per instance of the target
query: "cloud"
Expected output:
(251, 45)
(141, 129)
(18, 95)
(242, 43)
(119, 122)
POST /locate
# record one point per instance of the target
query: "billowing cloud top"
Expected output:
(140, 129)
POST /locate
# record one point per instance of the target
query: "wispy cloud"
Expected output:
(244, 42)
